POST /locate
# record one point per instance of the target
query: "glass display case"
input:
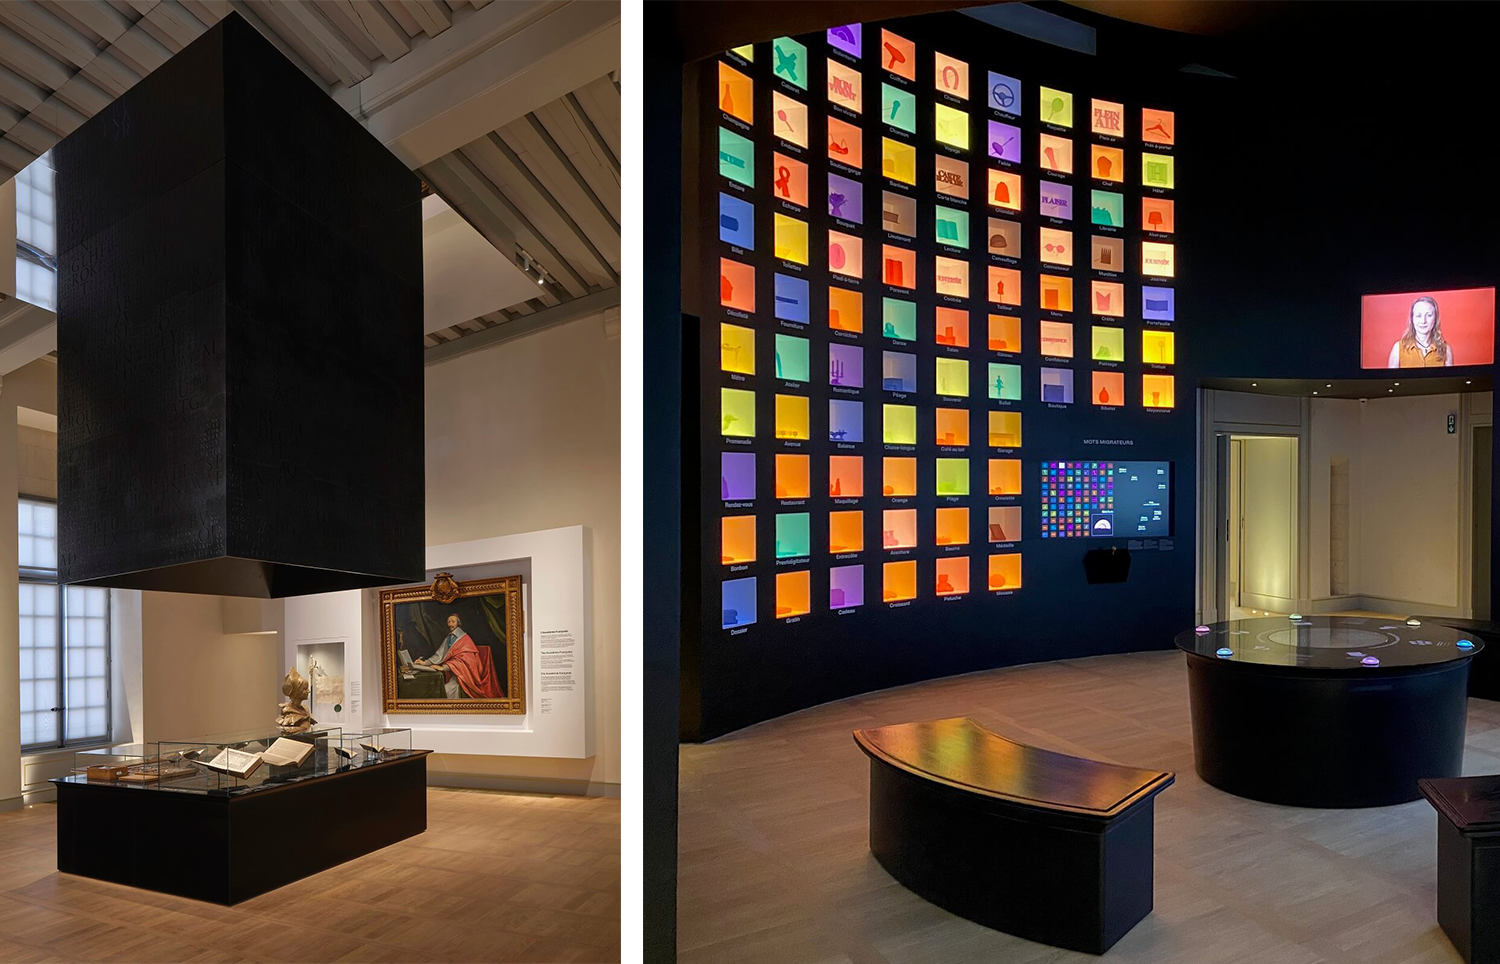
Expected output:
(249, 759)
(374, 745)
(242, 762)
(123, 763)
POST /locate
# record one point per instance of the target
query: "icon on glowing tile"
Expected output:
(952, 526)
(952, 575)
(846, 587)
(737, 602)
(793, 594)
(788, 119)
(845, 309)
(845, 143)
(898, 55)
(846, 476)
(900, 581)
(952, 76)
(846, 531)
(1056, 107)
(791, 61)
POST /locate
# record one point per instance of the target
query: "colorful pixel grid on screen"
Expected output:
(1077, 499)
(985, 260)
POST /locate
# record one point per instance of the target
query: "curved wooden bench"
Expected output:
(1046, 846)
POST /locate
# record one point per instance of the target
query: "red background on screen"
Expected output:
(1467, 317)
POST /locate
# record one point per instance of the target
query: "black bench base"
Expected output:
(227, 849)
(1070, 881)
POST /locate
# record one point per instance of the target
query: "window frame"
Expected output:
(35, 576)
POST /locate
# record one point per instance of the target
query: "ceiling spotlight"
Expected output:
(1329, 385)
(531, 269)
(1315, 391)
(1397, 384)
(1468, 383)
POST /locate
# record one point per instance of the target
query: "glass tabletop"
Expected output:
(1330, 642)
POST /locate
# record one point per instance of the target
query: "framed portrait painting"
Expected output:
(453, 647)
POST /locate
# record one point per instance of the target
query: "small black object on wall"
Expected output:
(1106, 565)
(239, 336)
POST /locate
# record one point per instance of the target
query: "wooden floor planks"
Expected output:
(774, 863)
(497, 877)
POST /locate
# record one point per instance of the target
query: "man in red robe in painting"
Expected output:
(468, 670)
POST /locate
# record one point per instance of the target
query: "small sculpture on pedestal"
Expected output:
(294, 716)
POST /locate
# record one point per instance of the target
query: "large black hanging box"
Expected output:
(239, 336)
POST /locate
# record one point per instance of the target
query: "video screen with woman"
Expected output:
(1428, 329)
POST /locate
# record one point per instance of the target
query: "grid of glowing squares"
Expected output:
(736, 93)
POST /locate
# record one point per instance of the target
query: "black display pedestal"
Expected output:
(227, 848)
(1052, 848)
(1484, 674)
(1468, 863)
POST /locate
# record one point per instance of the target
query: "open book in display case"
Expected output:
(245, 800)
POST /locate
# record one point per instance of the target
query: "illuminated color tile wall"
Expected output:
(968, 249)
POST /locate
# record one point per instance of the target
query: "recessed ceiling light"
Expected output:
(1468, 383)
(1255, 384)
(1390, 389)
(1396, 384)
(1329, 385)
(1315, 391)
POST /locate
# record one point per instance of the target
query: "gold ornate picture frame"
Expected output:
(453, 647)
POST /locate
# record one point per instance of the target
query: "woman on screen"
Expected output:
(1422, 345)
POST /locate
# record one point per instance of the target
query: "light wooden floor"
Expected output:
(775, 866)
(496, 877)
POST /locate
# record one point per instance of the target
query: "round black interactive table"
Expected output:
(1327, 711)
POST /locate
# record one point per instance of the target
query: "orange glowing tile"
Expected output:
(899, 528)
(952, 526)
(899, 266)
(1004, 286)
(1005, 523)
(900, 581)
(1157, 391)
(737, 539)
(845, 143)
(736, 93)
(899, 476)
(952, 575)
(1109, 388)
(1005, 333)
(846, 531)
(1056, 292)
(845, 309)
(1005, 477)
(736, 285)
(953, 426)
(793, 476)
(1005, 571)
(793, 594)
(951, 327)
(1005, 430)
(846, 476)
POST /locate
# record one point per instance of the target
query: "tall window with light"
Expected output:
(64, 679)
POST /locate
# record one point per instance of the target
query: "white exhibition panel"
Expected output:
(558, 640)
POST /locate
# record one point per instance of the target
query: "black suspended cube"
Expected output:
(239, 336)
